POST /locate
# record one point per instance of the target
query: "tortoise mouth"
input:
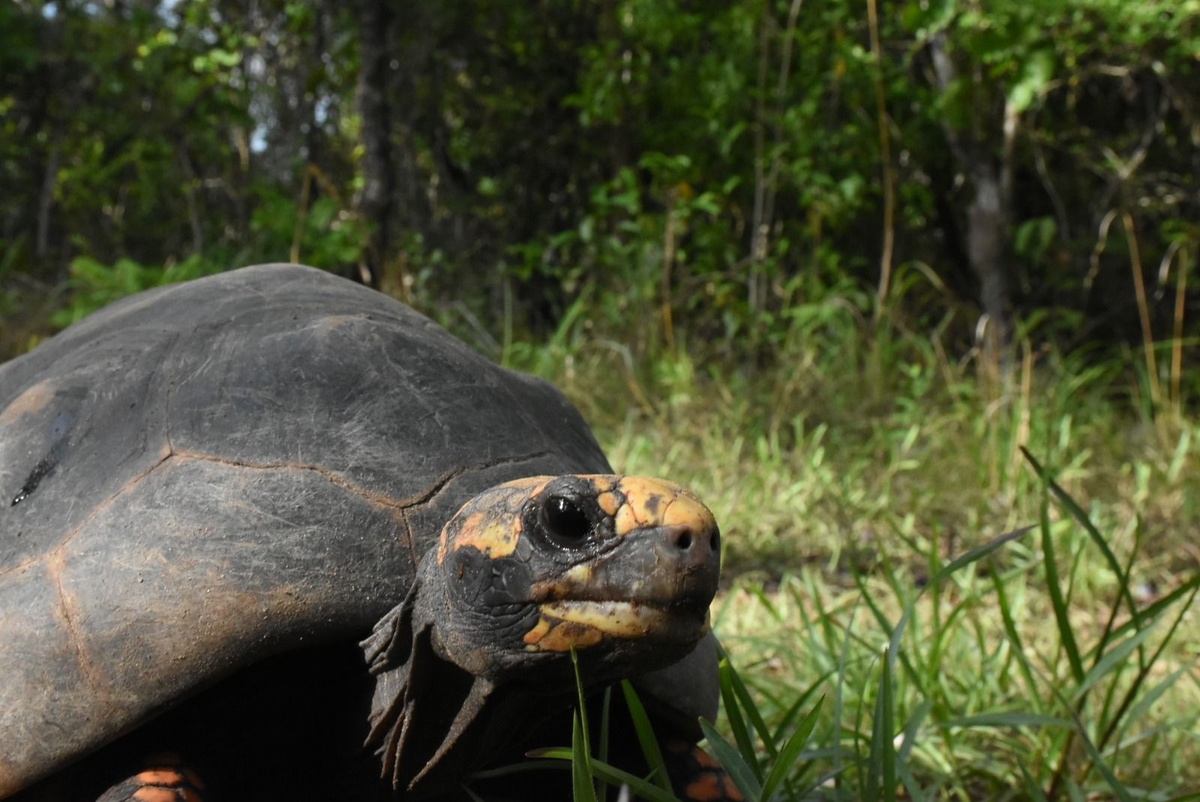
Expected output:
(564, 624)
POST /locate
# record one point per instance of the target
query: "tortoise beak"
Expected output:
(674, 567)
(657, 585)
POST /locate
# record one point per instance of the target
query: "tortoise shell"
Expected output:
(205, 475)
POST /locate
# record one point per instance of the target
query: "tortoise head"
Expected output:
(620, 570)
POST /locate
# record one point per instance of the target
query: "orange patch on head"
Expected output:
(609, 502)
(494, 532)
(654, 502)
(534, 636)
(491, 522)
(561, 636)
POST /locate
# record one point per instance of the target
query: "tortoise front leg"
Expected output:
(165, 778)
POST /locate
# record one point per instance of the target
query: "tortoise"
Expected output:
(272, 534)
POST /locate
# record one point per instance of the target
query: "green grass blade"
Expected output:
(1116, 786)
(1083, 520)
(737, 722)
(640, 788)
(605, 710)
(910, 783)
(1013, 718)
(1155, 609)
(1014, 635)
(785, 721)
(1031, 787)
(881, 761)
(582, 783)
(911, 729)
(1114, 659)
(734, 764)
(785, 761)
(1128, 711)
(1054, 588)
(972, 556)
(750, 709)
(646, 737)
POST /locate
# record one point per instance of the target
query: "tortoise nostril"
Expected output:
(714, 541)
(684, 541)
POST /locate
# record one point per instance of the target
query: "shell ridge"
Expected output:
(96, 681)
(370, 496)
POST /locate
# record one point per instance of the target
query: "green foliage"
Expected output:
(956, 706)
(959, 703)
(698, 164)
(95, 285)
(322, 235)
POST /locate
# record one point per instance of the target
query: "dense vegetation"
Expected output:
(831, 263)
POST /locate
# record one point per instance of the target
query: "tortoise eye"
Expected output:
(565, 521)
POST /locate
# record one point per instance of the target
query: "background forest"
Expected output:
(831, 262)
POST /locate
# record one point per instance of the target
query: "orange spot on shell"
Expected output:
(150, 794)
(704, 759)
(32, 400)
(160, 777)
(705, 788)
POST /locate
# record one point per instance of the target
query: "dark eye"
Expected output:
(565, 521)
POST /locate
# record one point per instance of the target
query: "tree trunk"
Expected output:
(983, 150)
(378, 177)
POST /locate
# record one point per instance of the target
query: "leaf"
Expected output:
(1036, 71)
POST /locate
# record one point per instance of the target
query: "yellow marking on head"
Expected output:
(579, 624)
(491, 521)
(535, 635)
(579, 574)
(561, 636)
(609, 502)
(493, 532)
(654, 502)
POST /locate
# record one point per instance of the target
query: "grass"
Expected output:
(851, 476)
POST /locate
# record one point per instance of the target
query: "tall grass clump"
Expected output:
(865, 480)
